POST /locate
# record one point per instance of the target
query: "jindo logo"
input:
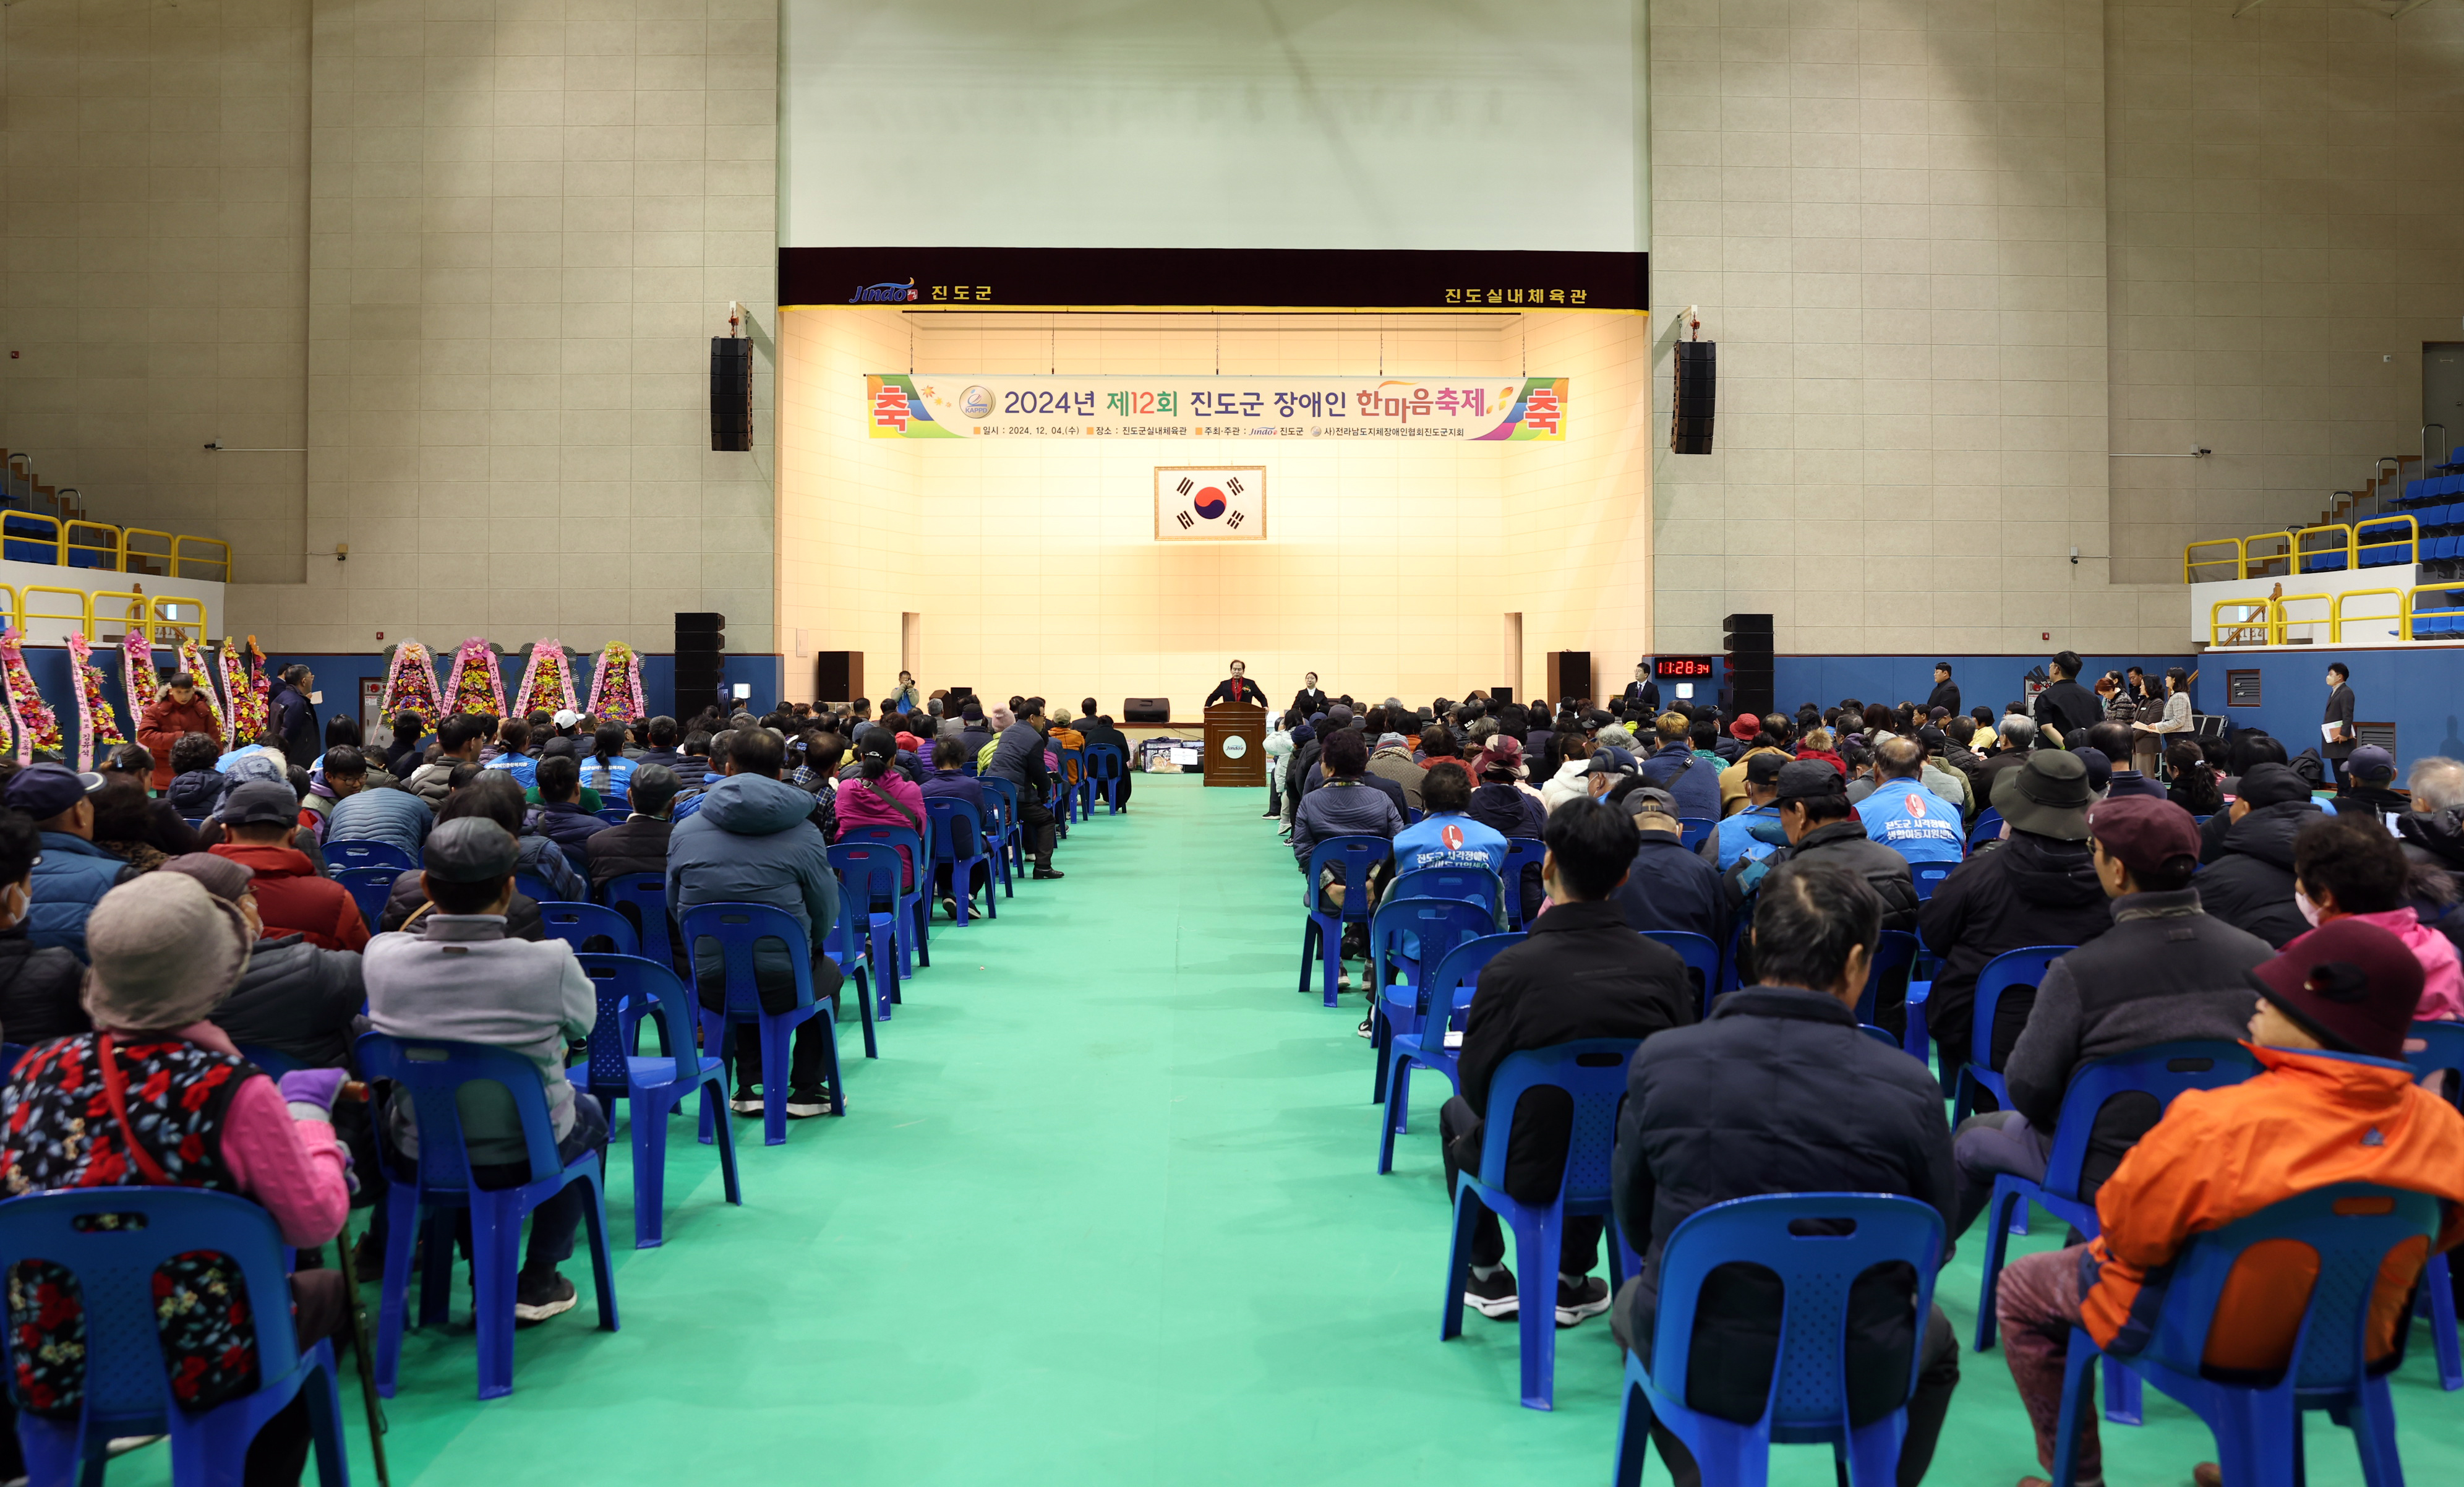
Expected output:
(883, 294)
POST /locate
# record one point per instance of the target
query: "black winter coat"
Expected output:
(296, 999)
(1845, 843)
(522, 921)
(41, 992)
(1671, 888)
(569, 825)
(1505, 810)
(2029, 890)
(1777, 1092)
(639, 845)
(2434, 840)
(2250, 882)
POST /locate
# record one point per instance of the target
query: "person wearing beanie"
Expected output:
(459, 977)
(298, 999)
(1391, 760)
(2348, 867)
(639, 844)
(261, 818)
(158, 1096)
(2249, 880)
(2165, 972)
(2334, 1102)
(2038, 885)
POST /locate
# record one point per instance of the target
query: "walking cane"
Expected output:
(362, 1349)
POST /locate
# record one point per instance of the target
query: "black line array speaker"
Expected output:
(731, 394)
(838, 676)
(701, 660)
(1749, 670)
(1698, 397)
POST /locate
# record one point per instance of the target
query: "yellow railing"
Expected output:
(180, 558)
(2343, 547)
(171, 620)
(2442, 608)
(2403, 616)
(2279, 622)
(75, 618)
(76, 536)
(11, 615)
(111, 613)
(113, 547)
(2237, 629)
(2409, 542)
(2200, 559)
(128, 547)
(2239, 558)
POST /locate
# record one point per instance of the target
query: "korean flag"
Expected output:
(1210, 504)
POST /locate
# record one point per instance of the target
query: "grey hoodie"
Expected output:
(753, 841)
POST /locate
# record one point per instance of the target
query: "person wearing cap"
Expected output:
(1822, 826)
(2249, 880)
(158, 1096)
(1668, 886)
(639, 843)
(261, 818)
(1580, 973)
(1392, 761)
(298, 999)
(2038, 885)
(1753, 830)
(1902, 814)
(2368, 784)
(2348, 867)
(1780, 729)
(2165, 972)
(40, 985)
(1675, 769)
(459, 977)
(1446, 837)
(1780, 1092)
(2334, 1102)
(71, 873)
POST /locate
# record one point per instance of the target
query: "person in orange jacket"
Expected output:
(2335, 1104)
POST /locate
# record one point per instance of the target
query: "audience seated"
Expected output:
(2165, 972)
(123, 819)
(559, 817)
(2249, 852)
(166, 954)
(296, 998)
(754, 841)
(1774, 735)
(165, 830)
(516, 756)
(1580, 973)
(1100, 732)
(2038, 885)
(950, 781)
(2335, 1103)
(606, 770)
(1677, 769)
(2348, 867)
(639, 843)
(1753, 829)
(1822, 826)
(2114, 741)
(39, 984)
(395, 816)
(1779, 1091)
(459, 977)
(2195, 786)
(1446, 837)
(489, 796)
(1392, 761)
(1903, 814)
(879, 795)
(1343, 806)
(195, 784)
(1669, 886)
(70, 874)
(1018, 757)
(292, 896)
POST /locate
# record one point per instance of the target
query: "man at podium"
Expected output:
(1237, 688)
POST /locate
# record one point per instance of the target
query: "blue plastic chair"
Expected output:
(1692, 830)
(1068, 800)
(737, 927)
(615, 815)
(2021, 968)
(273, 1061)
(1928, 877)
(870, 871)
(2444, 1049)
(1592, 1071)
(353, 853)
(913, 906)
(1895, 950)
(371, 888)
(1521, 853)
(1107, 771)
(2162, 1070)
(1471, 886)
(1988, 828)
(1879, 1035)
(579, 923)
(1012, 854)
(431, 1072)
(1808, 1403)
(1455, 977)
(10, 1054)
(630, 984)
(127, 1389)
(948, 815)
(2351, 1228)
(850, 950)
(535, 888)
(645, 896)
(1701, 956)
(1398, 995)
(1350, 857)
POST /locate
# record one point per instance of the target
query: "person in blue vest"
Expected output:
(607, 770)
(72, 874)
(1445, 838)
(517, 759)
(1754, 832)
(1902, 814)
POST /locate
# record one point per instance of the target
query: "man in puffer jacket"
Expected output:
(2037, 886)
(41, 988)
(2249, 882)
(196, 785)
(294, 997)
(1018, 757)
(457, 742)
(559, 817)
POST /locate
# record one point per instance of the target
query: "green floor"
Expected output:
(1105, 1211)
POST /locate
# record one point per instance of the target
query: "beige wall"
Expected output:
(471, 248)
(1390, 564)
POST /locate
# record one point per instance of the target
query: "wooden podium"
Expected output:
(1236, 745)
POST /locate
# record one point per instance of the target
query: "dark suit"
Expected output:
(1307, 702)
(1647, 693)
(1236, 689)
(2340, 709)
(1946, 694)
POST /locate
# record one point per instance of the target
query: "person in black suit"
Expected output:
(2340, 711)
(2066, 707)
(1237, 688)
(1309, 700)
(1643, 690)
(1946, 692)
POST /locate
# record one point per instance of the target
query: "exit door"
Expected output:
(2442, 400)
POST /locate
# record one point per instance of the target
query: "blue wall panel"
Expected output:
(1988, 681)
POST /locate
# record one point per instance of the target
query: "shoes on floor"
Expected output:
(1367, 1028)
(1493, 1297)
(745, 1104)
(949, 907)
(804, 1104)
(538, 1297)
(1043, 873)
(1268, 815)
(1582, 1301)
(367, 1258)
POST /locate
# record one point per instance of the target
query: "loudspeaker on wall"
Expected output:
(731, 394)
(1689, 420)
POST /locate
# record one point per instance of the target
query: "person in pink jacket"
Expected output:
(2348, 867)
(879, 795)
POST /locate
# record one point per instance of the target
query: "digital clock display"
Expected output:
(1682, 668)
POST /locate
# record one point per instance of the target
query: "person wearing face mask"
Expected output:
(2249, 880)
(2348, 867)
(38, 985)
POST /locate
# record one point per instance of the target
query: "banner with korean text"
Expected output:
(937, 406)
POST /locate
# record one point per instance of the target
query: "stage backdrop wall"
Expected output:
(1390, 564)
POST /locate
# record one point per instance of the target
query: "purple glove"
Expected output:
(310, 1093)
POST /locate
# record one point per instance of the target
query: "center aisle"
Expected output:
(1104, 1212)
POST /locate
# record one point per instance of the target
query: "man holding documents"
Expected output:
(2336, 728)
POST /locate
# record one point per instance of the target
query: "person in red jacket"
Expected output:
(262, 817)
(178, 709)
